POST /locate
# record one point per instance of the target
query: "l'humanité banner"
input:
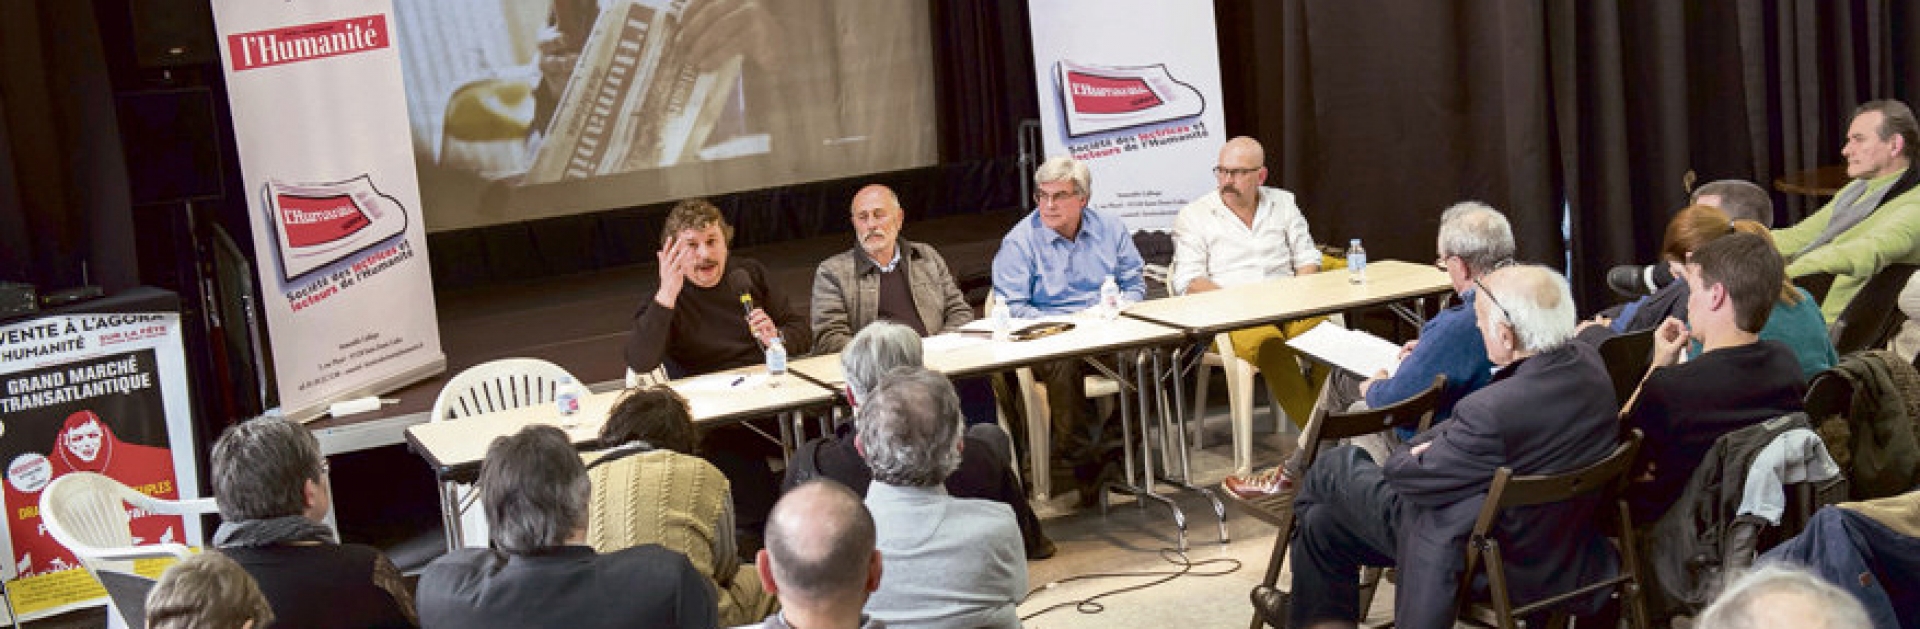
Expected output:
(1132, 88)
(320, 120)
(104, 393)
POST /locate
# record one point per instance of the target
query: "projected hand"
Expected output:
(713, 31)
(676, 261)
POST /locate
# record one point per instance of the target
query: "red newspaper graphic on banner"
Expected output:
(322, 223)
(1097, 98)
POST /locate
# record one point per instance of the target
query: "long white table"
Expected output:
(454, 449)
(1202, 315)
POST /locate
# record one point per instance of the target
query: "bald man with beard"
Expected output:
(883, 278)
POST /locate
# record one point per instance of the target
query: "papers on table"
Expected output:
(950, 341)
(1352, 350)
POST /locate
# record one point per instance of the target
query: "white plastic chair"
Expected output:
(1240, 392)
(489, 387)
(1033, 402)
(87, 513)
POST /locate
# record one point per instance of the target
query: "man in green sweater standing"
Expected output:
(1875, 220)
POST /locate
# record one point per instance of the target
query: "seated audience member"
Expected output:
(1739, 198)
(885, 278)
(951, 562)
(1244, 232)
(1795, 322)
(1871, 549)
(207, 591)
(649, 488)
(820, 559)
(1474, 240)
(271, 483)
(1550, 409)
(1689, 228)
(1737, 381)
(1052, 263)
(1873, 221)
(540, 572)
(986, 463)
(693, 320)
(1776, 596)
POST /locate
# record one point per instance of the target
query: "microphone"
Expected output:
(738, 281)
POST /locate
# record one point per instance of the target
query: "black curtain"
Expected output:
(983, 77)
(1567, 114)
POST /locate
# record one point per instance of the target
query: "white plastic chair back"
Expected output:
(488, 387)
(87, 513)
(1033, 402)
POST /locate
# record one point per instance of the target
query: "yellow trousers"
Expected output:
(1266, 347)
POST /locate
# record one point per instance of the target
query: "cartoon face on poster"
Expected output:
(102, 415)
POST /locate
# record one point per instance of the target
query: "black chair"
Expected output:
(1627, 357)
(1816, 284)
(1609, 475)
(1871, 319)
(1323, 428)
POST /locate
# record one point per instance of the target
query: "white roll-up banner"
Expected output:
(320, 119)
(1132, 88)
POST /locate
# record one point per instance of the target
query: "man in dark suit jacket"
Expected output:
(1549, 409)
(540, 572)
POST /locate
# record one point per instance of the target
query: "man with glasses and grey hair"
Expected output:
(950, 562)
(986, 464)
(540, 572)
(271, 483)
(1474, 240)
(1052, 263)
(1549, 409)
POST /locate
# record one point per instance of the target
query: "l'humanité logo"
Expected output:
(305, 42)
(1100, 98)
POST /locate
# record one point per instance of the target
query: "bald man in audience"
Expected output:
(820, 559)
(1872, 222)
(1549, 409)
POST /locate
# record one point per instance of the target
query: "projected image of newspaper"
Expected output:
(1353, 350)
(632, 101)
(1096, 98)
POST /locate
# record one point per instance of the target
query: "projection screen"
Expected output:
(527, 109)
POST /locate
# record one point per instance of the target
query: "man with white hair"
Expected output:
(950, 562)
(1775, 595)
(986, 464)
(1549, 409)
(1474, 240)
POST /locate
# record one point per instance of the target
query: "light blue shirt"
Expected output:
(1038, 272)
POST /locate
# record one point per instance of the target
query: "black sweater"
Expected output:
(706, 330)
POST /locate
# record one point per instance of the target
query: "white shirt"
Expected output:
(1210, 241)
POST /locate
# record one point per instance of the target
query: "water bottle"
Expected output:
(1356, 262)
(1109, 298)
(1002, 320)
(566, 397)
(776, 361)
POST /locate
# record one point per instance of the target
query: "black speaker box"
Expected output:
(169, 33)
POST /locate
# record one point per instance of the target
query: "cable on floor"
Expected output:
(1091, 604)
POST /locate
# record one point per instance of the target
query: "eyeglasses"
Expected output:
(1441, 263)
(1041, 197)
(1508, 316)
(1222, 171)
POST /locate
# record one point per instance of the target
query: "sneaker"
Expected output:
(1259, 484)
